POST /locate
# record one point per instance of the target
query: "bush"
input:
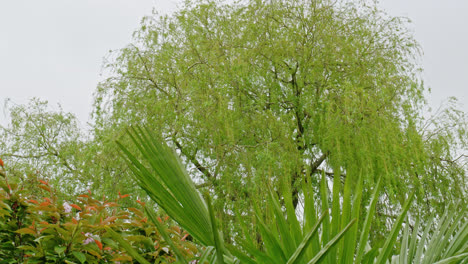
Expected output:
(36, 228)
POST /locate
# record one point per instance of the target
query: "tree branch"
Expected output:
(194, 161)
(314, 166)
(26, 156)
(202, 185)
(149, 75)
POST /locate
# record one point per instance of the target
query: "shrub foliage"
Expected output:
(39, 228)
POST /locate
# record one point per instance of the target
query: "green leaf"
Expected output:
(390, 241)
(169, 185)
(59, 250)
(132, 252)
(26, 247)
(453, 259)
(214, 228)
(26, 230)
(363, 240)
(327, 248)
(166, 236)
(79, 256)
(110, 242)
(297, 256)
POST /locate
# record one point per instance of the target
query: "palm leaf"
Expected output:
(168, 184)
(446, 242)
(130, 250)
(390, 241)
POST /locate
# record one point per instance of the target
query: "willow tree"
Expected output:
(39, 143)
(263, 93)
(43, 143)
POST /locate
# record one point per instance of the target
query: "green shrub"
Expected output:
(38, 228)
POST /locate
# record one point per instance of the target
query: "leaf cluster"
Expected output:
(41, 229)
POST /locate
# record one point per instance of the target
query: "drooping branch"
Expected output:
(148, 72)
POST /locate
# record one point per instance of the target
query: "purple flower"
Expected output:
(67, 207)
(89, 239)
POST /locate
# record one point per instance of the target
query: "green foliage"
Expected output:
(40, 229)
(41, 142)
(442, 240)
(177, 196)
(269, 104)
(283, 239)
(254, 91)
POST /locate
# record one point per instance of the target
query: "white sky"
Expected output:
(441, 27)
(53, 49)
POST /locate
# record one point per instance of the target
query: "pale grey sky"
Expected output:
(441, 27)
(53, 49)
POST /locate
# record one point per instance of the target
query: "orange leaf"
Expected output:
(165, 218)
(43, 223)
(135, 211)
(110, 219)
(111, 204)
(107, 248)
(124, 196)
(184, 237)
(47, 200)
(84, 195)
(44, 187)
(123, 216)
(119, 258)
(94, 253)
(1, 162)
(44, 204)
(140, 202)
(98, 243)
(76, 207)
(91, 208)
(33, 201)
(32, 225)
(159, 219)
(44, 182)
(74, 221)
(89, 192)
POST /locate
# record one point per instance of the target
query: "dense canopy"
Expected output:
(258, 96)
(257, 92)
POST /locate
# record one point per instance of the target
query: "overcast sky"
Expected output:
(53, 49)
